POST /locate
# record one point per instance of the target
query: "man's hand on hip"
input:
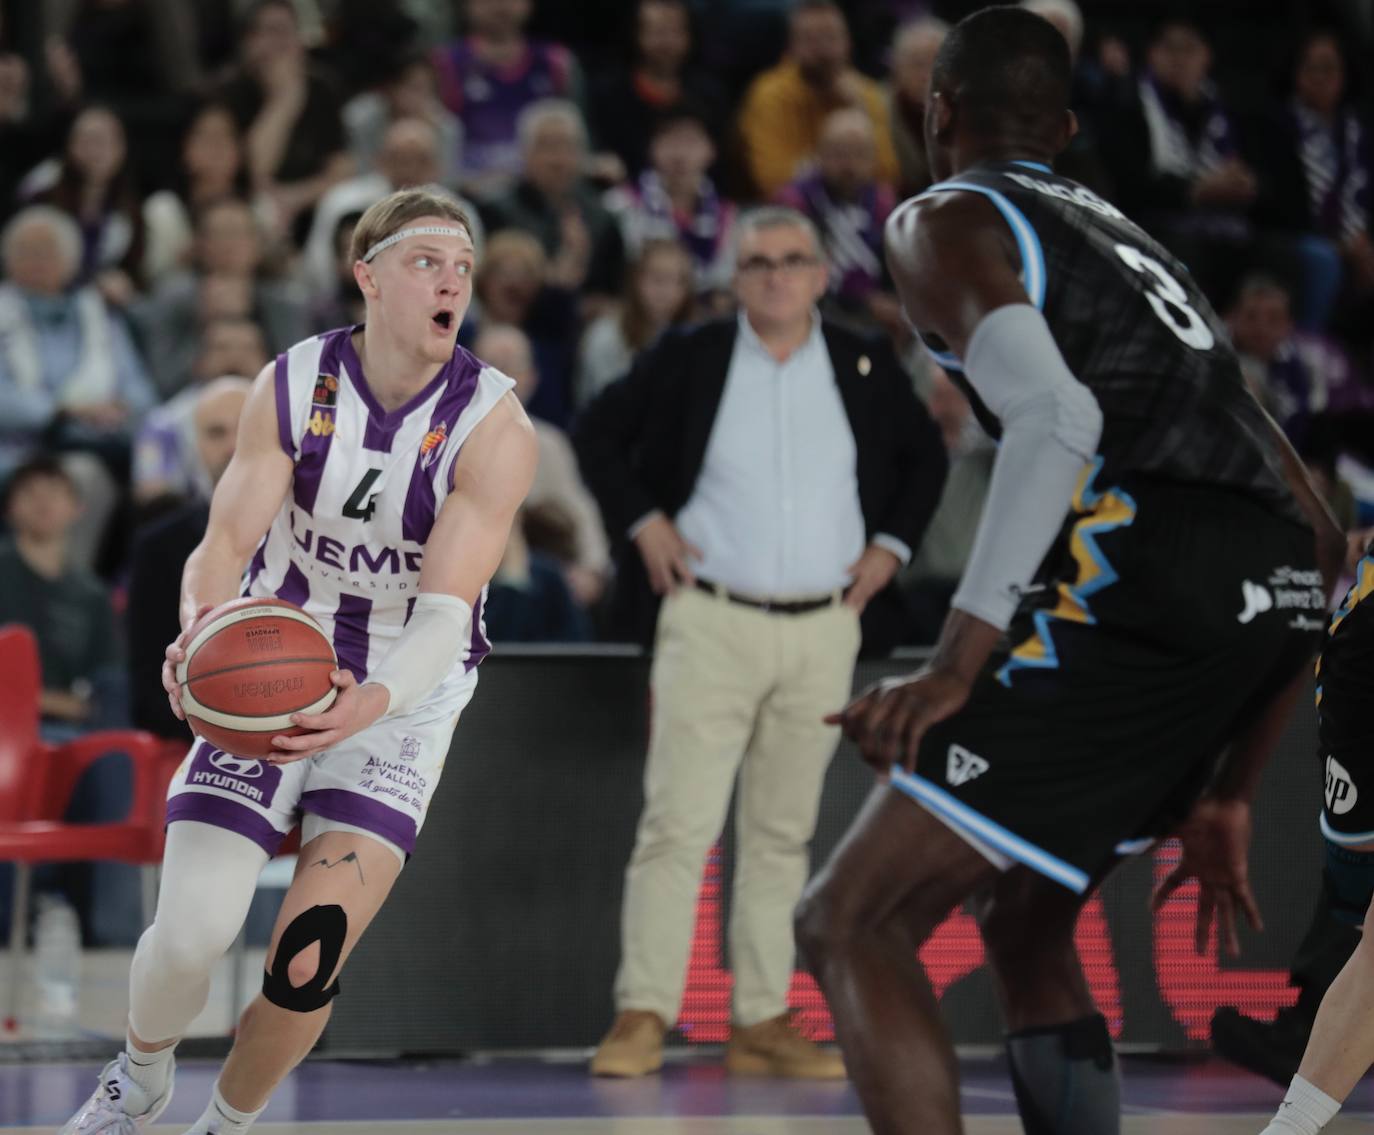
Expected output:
(871, 572)
(665, 554)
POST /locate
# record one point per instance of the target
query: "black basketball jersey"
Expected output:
(1136, 330)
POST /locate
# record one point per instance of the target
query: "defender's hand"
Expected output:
(889, 719)
(1216, 847)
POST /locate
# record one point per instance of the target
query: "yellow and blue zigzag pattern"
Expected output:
(1359, 591)
(1105, 512)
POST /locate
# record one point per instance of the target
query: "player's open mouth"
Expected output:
(443, 320)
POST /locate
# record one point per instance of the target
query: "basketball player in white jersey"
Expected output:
(377, 474)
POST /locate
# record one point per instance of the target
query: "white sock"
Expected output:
(151, 1071)
(1305, 1110)
(221, 1119)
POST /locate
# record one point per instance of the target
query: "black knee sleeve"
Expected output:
(327, 925)
(1065, 1077)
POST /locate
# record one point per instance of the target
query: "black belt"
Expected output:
(771, 606)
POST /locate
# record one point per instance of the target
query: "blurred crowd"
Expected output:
(179, 183)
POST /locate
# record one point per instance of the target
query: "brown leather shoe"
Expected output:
(633, 1047)
(775, 1048)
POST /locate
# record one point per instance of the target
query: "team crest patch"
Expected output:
(410, 748)
(431, 445)
(326, 391)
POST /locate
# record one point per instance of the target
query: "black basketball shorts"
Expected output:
(1171, 615)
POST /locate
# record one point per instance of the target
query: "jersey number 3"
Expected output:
(1168, 298)
(355, 509)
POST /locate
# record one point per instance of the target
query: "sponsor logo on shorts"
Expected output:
(246, 767)
(1257, 600)
(410, 748)
(253, 780)
(1341, 792)
(1286, 589)
(963, 766)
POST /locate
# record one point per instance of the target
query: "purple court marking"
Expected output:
(328, 1091)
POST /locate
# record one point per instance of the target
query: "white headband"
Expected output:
(421, 230)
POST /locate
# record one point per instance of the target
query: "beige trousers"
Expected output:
(736, 692)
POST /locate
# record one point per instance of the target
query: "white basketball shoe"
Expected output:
(119, 1106)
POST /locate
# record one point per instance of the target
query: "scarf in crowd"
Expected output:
(1336, 169)
(1186, 139)
(851, 230)
(93, 379)
(705, 231)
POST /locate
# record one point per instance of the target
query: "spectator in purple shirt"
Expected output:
(849, 206)
(488, 78)
(92, 182)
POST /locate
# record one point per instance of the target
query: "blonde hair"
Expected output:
(394, 212)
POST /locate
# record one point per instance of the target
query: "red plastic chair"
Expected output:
(36, 784)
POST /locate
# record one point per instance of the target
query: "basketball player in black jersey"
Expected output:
(1340, 1049)
(1145, 588)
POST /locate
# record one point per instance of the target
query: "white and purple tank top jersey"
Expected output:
(349, 540)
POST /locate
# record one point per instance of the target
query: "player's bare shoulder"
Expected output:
(937, 231)
(952, 258)
(503, 444)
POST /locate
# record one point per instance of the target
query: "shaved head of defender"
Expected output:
(1000, 85)
(1086, 348)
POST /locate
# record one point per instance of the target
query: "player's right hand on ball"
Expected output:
(175, 655)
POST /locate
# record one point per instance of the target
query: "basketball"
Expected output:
(250, 664)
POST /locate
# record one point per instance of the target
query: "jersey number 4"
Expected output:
(1169, 299)
(355, 509)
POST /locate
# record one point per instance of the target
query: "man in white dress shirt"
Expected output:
(772, 473)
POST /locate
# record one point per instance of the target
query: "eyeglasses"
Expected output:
(794, 263)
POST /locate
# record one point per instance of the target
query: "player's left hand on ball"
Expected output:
(1216, 849)
(355, 708)
(888, 720)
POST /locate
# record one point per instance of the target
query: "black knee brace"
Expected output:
(327, 925)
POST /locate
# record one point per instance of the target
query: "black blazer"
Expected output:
(155, 566)
(642, 442)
